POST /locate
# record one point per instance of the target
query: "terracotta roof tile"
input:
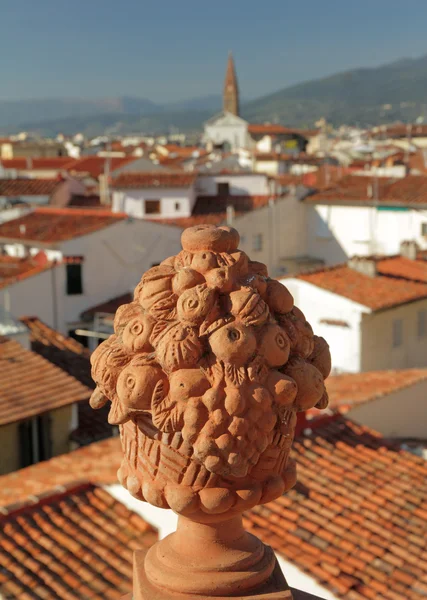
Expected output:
(376, 293)
(74, 359)
(30, 385)
(359, 572)
(270, 129)
(350, 389)
(27, 187)
(361, 189)
(13, 269)
(37, 164)
(400, 266)
(157, 179)
(96, 165)
(71, 544)
(46, 224)
(96, 463)
(295, 524)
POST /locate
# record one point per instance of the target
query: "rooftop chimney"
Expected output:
(363, 264)
(230, 214)
(409, 249)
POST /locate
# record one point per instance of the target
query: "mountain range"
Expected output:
(365, 96)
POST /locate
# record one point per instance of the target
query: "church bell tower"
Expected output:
(231, 89)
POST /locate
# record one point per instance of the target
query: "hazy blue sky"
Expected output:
(174, 49)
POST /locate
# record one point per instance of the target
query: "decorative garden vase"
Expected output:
(206, 371)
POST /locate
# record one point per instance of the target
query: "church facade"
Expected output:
(227, 129)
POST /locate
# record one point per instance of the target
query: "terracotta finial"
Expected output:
(205, 373)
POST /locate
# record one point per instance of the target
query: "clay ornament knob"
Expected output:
(205, 374)
(210, 237)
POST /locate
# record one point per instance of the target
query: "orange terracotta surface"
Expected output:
(206, 371)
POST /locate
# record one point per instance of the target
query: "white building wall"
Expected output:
(318, 305)
(378, 351)
(40, 295)
(227, 129)
(115, 259)
(405, 410)
(174, 202)
(240, 185)
(339, 232)
(282, 227)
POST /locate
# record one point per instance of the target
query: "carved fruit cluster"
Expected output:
(214, 349)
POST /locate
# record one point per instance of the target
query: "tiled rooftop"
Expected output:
(72, 544)
(72, 358)
(37, 164)
(96, 463)
(374, 292)
(270, 129)
(13, 269)
(351, 389)
(64, 352)
(96, 165)
(46, 224)
(406, 191)
(30, 385)
(402, 267)
(157, 179)
(27, 187)
(357, 519)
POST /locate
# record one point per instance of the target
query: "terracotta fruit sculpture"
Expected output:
(205, 373)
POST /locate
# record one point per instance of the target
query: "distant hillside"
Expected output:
(397, 91)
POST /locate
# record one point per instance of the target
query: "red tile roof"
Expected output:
(184, 151)
(49, 224)
(74, 359)
(410, 190)
(96, 463)
(28, 187)
(374, 292)
(350, 389)
(73, 543)
(37, 164)
(95, 165)
(399, 266)
(108, 307)
(400, 130)
(357, 519)
(13, 269)
(64, 352)
(157, 179)
(270, 129)
(30, 385)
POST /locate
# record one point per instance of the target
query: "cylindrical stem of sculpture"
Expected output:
(205, 373)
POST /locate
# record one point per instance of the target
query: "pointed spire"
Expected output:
(231, 88)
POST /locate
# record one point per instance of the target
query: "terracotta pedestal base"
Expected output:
(209, 560)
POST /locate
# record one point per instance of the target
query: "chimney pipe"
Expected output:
(364, 265)
(230, 215)
(409, 249)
